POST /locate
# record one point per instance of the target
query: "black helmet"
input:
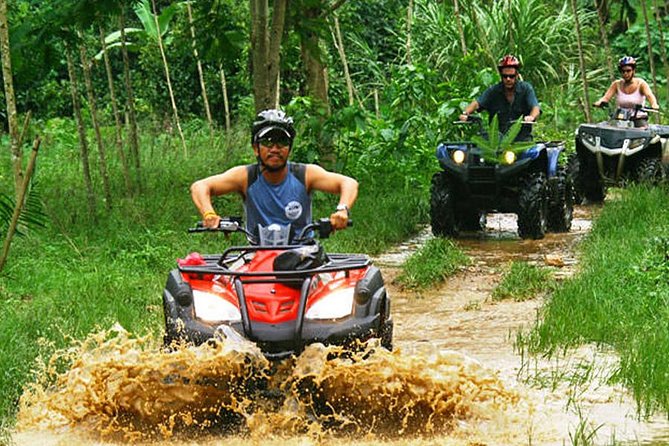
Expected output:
(272, 119)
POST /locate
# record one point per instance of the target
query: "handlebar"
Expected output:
(637, 107)
(234, 224)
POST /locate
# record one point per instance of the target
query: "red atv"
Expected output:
(279, 293)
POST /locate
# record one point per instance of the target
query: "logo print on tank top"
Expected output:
(293, 210)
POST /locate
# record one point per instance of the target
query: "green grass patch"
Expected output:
(621, 296)
(437, 259)
(523, 281)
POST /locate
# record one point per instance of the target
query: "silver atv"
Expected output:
(616, 152)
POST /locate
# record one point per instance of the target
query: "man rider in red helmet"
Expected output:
(274, 189)
(510, 99)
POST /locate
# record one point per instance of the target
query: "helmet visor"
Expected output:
(274, 135)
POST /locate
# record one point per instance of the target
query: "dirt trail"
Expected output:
(451, 337)
(460, 315)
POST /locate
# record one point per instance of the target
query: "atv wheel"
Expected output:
(591, 183)
(442, 207)
(573, 171)
(532, 205)
(471, 220)
(650, 171)
(386, 335)
(560, 202)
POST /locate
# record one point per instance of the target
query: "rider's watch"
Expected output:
(343, 207)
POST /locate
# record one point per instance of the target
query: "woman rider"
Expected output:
(630, 91)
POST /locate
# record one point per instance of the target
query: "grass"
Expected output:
(437, 259)
(621, 296)
(80, 274)
(523, 281)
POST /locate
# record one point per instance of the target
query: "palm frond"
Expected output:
(32, 215)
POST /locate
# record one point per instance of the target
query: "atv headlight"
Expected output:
(213, 308)
(637, 142)
(509, 157)
(588, 138)
(458, 156)
(333, 306)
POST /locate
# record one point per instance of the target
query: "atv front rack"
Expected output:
(218, 264)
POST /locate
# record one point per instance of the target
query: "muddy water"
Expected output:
(570, 394)
(453, 379)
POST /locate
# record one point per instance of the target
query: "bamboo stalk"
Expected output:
(19, 203)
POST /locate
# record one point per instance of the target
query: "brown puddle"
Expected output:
(121, 390)
(570, 395)
(454, 378)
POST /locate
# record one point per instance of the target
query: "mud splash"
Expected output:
(120, 389)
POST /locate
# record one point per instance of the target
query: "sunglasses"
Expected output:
(628, 70)
(508, 76)
(280, 141)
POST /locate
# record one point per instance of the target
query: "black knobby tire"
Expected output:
(560, 202)
(591, 183)
(442, 207)
(471, 220)
(650, 171)
(532, 207)
(574, 173)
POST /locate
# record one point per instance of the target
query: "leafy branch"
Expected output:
(493, 148)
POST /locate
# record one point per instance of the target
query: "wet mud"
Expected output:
(453, 379)
(571, 395)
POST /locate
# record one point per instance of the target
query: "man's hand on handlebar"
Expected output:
(339, 219)
(211, 220)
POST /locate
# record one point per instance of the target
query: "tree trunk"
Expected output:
(20, 198)
(265, 49)
(605, 39)
(663, 48)
(315, 69)
(175, 111)
(10, 99)
(581, 60)
(83, 144)
(130, 104)
(117, 117)
(461, 31)
(649, 44)
(96, 126)
(339, 44)
(226, 104)
(409, 22)
(203, 86)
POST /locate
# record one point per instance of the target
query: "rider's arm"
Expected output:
(317, 178)
(534, 114)
(608, 95)
(645, 90)
(201, 191)
(469, 109)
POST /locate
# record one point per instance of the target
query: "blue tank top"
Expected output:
(285, 203)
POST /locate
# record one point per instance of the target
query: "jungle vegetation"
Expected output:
(111, 108)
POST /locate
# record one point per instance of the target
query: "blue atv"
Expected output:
(529, 182)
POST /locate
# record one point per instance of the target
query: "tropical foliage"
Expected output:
(397, 73)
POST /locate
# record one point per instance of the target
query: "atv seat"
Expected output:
(302, 258)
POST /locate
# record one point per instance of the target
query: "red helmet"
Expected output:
(508, 61)
(627, 61)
